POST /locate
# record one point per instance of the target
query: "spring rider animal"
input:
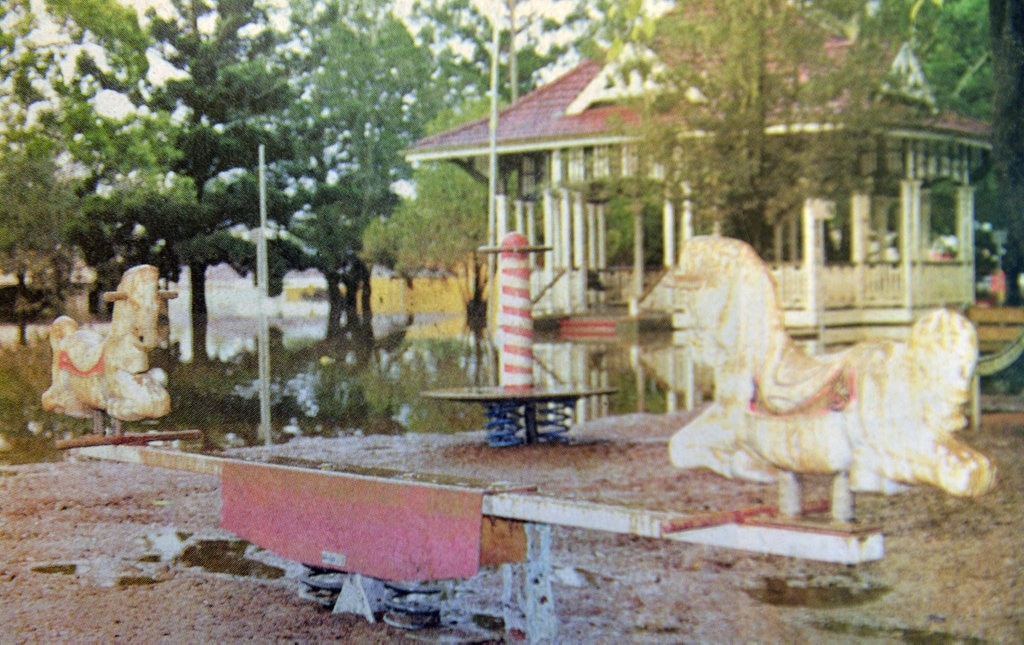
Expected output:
(92, 374)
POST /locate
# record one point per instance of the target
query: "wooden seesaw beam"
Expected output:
(758, 529)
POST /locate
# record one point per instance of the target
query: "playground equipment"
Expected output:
(877, 417)
(94, 374)
(517, 411)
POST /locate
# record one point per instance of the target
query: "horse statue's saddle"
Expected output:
(801, 384)
(85, 357)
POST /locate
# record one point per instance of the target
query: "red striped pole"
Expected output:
(515, 317)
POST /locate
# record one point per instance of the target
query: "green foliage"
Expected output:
(737, 69)
(365, 92)
(36, 208)
(460, 36)
(133, 224)
(55, 79)
(441, 229)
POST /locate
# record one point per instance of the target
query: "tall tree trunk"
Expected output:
(21, 307)
(476, 308)
(334, 305)
(366, 300)
(1006, 22)
(200, 316)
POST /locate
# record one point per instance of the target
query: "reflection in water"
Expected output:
(332, 388)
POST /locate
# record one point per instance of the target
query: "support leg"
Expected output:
(842, 498)
(790, 496)
(362, 596)
(541, 621)
(528, 599)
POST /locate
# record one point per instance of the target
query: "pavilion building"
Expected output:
(556, 144)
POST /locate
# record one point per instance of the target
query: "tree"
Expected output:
(133, 223)
(76, 72)
(733, 69)
(460, 36)
(36, 204)
(365, 95)
(1007, 32)
(440, 229)
(57, 60)
(235, 84)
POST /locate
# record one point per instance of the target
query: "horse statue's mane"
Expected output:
(737, 325)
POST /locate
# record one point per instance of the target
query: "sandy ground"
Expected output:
(100, 552)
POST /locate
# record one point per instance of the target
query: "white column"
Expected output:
(531, 229)
(965, 238)
(860, 224)
(579, 233)
(518, 210)
(591, 236)
(548, 208)
(578, 282)
(687, 231)
(638, 257)
(602, 238)
(810, 260)
(668, 223)
(792, 228)
(910, 205)
(565, 226)
(924, 225)
(556, 241)
(501, 213)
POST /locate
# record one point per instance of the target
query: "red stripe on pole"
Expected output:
(516, 272)
(515, 292)
(516, 350)
(522, 332)
(518, 312)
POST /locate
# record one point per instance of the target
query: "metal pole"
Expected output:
(492, 180)
(263, 340)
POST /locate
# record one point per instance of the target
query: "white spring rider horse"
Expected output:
(93, 374)
(878, 417)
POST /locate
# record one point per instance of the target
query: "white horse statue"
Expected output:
(93, 374)
(878, 416)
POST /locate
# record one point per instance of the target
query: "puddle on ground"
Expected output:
(904, 634)
(135, 581)
(63, 569)
(489, 622)
(795, 593)
(226, 556)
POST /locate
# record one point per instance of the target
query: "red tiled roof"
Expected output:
(540, 115)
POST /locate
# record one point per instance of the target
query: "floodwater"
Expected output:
(349, 386)
(355, 385)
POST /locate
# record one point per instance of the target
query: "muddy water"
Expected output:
(323, 388)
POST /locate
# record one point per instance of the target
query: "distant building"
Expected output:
(569, 134)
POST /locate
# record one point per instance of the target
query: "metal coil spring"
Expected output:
(505, 420)
(554, 419)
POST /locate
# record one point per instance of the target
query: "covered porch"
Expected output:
(868, 262)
